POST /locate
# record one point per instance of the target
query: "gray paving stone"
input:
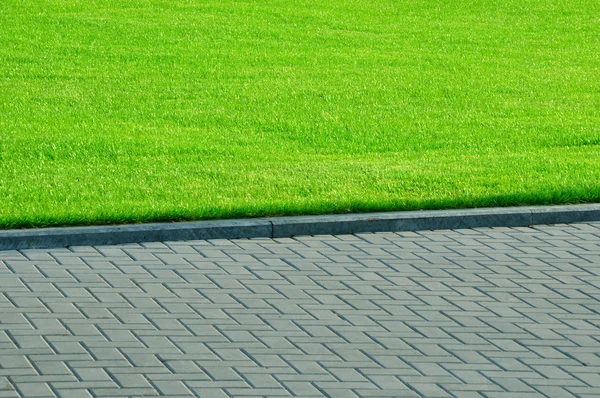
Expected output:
(302, 388)
(124, 392)
(6, 385)
(495, 312)
(34, 389)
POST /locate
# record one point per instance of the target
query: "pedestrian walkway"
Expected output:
(496, 312)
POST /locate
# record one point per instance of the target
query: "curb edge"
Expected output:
(279, 227)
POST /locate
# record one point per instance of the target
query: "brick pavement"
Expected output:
(498, 312)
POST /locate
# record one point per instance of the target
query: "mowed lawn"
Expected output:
(151, 110)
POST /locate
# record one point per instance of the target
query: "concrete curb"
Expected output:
(278, 227)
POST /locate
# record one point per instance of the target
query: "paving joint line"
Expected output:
(283, 227)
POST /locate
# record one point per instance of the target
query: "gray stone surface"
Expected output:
(277, 227)
(132, 233)
(403, 221)
(485, 312)
(565, 214)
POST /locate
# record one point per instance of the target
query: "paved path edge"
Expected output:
(279, 227)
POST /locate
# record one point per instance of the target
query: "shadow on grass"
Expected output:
(556, 197)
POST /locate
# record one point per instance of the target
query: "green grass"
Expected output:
(149, 110)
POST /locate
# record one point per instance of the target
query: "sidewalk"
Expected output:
(487, 312)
